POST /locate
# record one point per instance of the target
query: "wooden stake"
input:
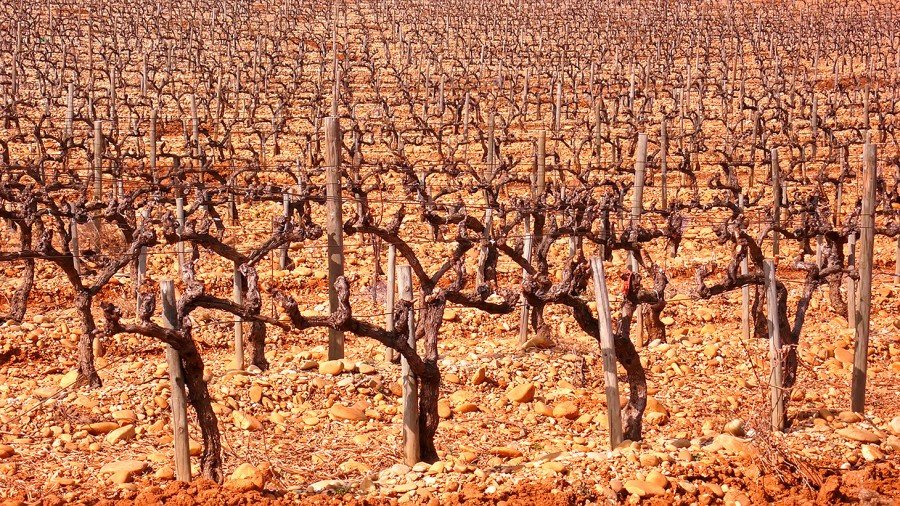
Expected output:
(179, 215)
(776, 201)
(153, 174)
(776, 381)
(851, 283)
(176, 383)
(286, 209)
(238, 295)
(745, 290)
(410, 382)
(523, 314)
(867, 238)
(390, 354)
(640, 166)
(608, 351)
(663, 163)
(98, 161)
(334, 227)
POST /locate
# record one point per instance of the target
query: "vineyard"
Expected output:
(392, 251)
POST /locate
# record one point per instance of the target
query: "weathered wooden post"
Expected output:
(851, 283)
(176, 384)
(238, 296)
(98, 161)
(334, 227)
(776, 201)
(867, 239)
(179, 215)
(640, 166)
(141, 266)
(390, 354)
(410, 382)
(75, 246)
(745, 290)
(153, 174)
(776, 380)
(608, 352)
(523, 313)
(663, 163)
(283, 260)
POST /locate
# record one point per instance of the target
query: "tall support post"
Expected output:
(745, 290)
(776, 202)
(410, 382)
(867, 240)
(283, 259)
(663, 163)
(179, 215)
(640, 167)
(776, 380)
(178, 399)
(608, 352)
(141, 266)
(75, 246)
(153, 174)
(238, 296)
(851, 283)
(98, 160)
(335, 222)
(390, 354)
(523, 313)
(70, 112)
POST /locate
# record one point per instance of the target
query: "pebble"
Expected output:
(125, 433)
(521, 393)
(341, 412)
(643, 488)
(857, 434)
(331, 367)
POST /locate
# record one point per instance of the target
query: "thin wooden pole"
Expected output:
(867, 239)
(608, 352)
(663, 163)
(238, 296)
(75, 246)
(640, 166)
(776, 201)
(851, 283)
(523, 314)
(176, 383)
(776, 381)
(286, 209)
(390, 354)
(745, 290)
(141, 266)
(98, 161)
(335, 233)
(410, 382)
(153, 174)
(179, 214)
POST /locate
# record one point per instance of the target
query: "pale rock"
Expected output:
(6, 451)
(521, 393)
(331, 367)
(872, 453)
(341, 412)
(736, 428)
(256, 393)
(248, 477)
(566, 409)
(245, 421)
(125, 433)
(858, 434)
(643, 488)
